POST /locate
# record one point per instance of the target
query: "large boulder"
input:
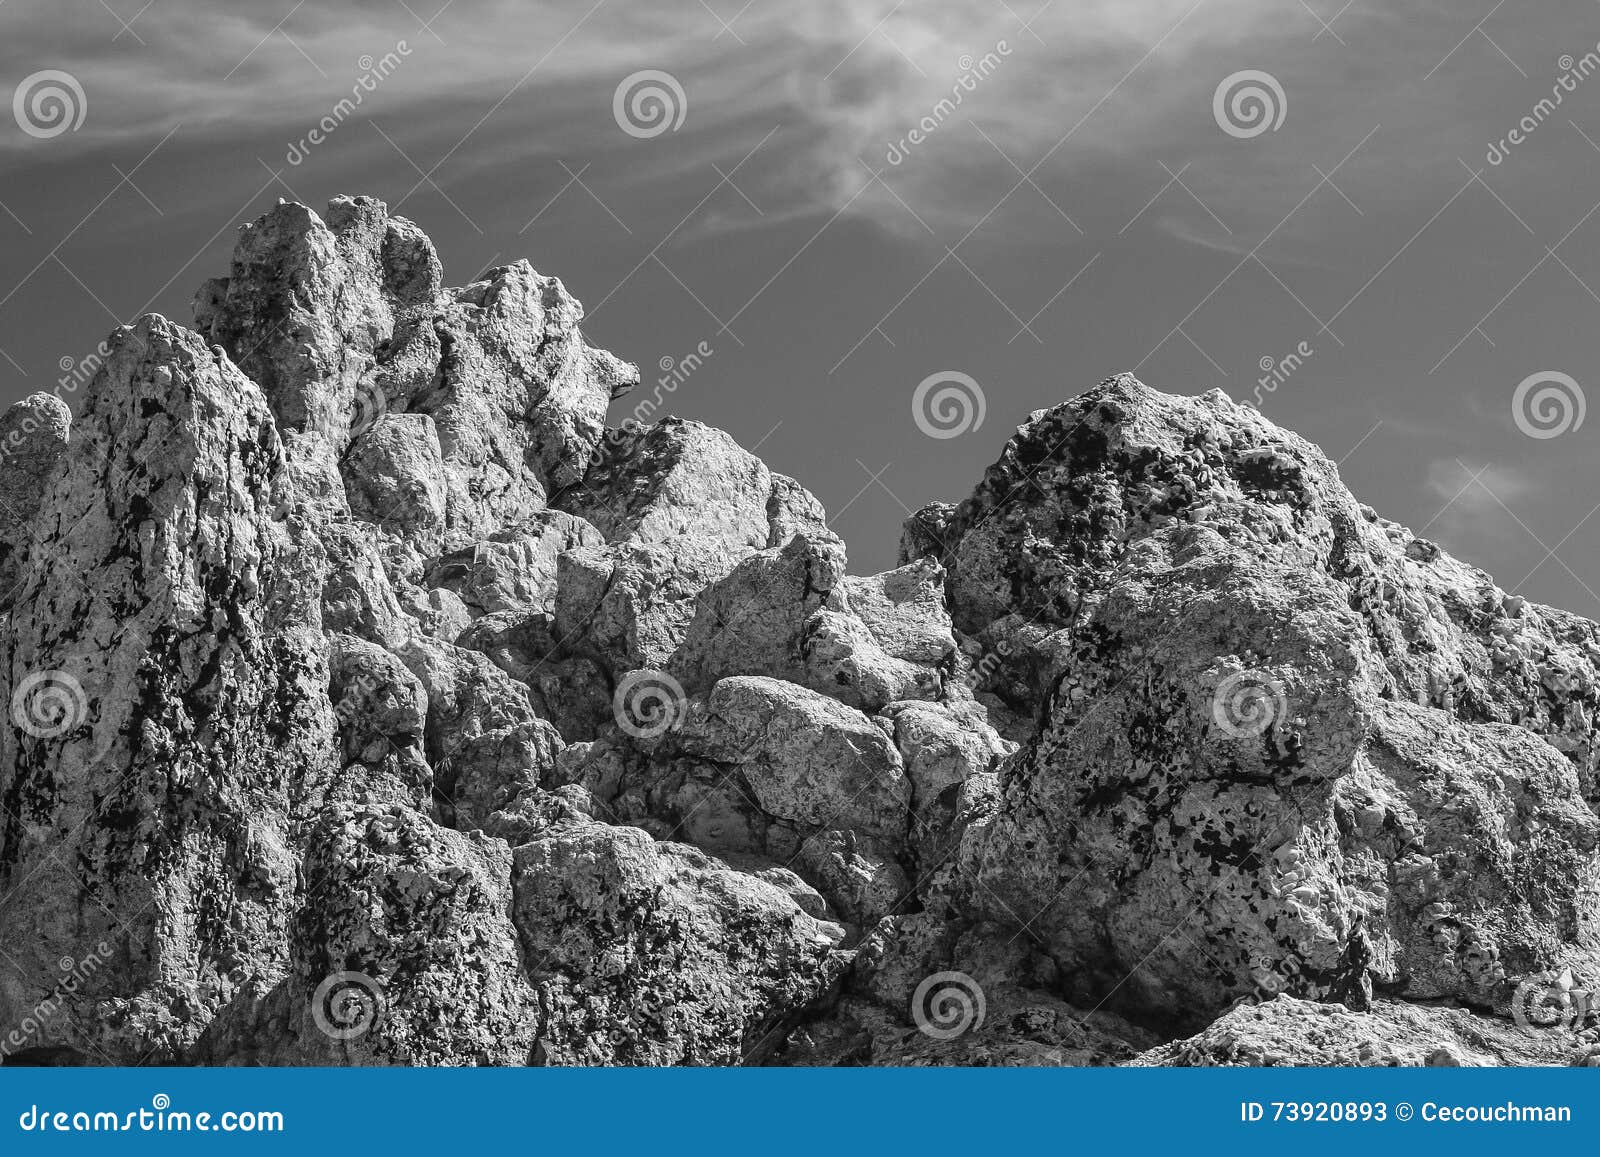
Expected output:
(1125, 485)
(786, 612)
(680, 504)
(652, 954)
(402, 952)
(1275, 732)
(420, 917)
(805, 758)
(163, 667)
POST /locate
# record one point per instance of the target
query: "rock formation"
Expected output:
(372, 702)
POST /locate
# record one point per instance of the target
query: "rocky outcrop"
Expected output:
(1287, 1031)
(163, 666)
(344, 321)
(33, 437)
(1275, 736)
(657, 954)
(371, 702)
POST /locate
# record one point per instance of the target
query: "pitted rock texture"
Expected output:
(1275, 738)
(657, 954)
(1287, 1031)
(164, 667)
(371, 702)
(33, 436)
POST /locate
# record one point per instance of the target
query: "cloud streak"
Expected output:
(847, 79)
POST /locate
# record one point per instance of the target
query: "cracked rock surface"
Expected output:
(372, 702)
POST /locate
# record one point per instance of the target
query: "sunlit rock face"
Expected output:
(372, 702)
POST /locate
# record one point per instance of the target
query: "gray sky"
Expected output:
(1085, 209)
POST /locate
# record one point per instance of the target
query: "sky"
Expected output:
(1371, 218)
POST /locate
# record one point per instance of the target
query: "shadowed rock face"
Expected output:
(372, 703)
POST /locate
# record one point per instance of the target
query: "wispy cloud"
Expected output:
(1477, 502)
(850, 79)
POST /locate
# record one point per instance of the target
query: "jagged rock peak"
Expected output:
(372, 702)
(345, 323)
